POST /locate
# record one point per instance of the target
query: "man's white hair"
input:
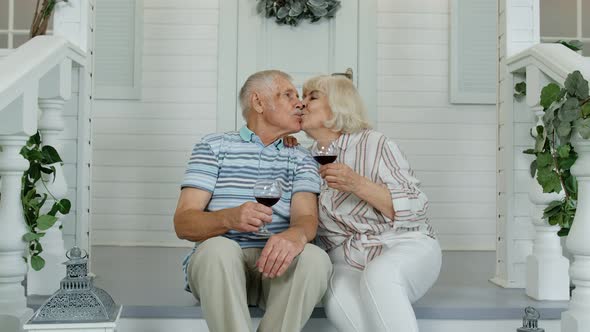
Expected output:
(263, 83)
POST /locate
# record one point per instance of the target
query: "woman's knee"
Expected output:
(377, 275)
(342, 303)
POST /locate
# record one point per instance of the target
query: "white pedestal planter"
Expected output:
(577, 317)
(547, 276)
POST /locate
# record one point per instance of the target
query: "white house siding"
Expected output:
(140, 147)
(451, 147)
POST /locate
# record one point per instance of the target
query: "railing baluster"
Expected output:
(547, 275)
(577, 317)
(13, 304)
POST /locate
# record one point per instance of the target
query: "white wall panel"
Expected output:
(425, 20)
(180, 16)
(181, 4)
(451, 147)
(145, 174)
(416, 6)
(394, 66)
(181, 63)
(141, 147)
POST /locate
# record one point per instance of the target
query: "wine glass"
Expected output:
(267, 192)
(324, 152)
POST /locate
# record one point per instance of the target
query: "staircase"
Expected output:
(537, 66)
(36, 78)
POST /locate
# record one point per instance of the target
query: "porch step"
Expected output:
(322, 325)
(148, 282)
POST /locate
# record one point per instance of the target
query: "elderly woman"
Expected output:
(373, 219)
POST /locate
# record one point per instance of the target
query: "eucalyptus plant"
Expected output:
(291, 12)
(41, 160)
(566, 112)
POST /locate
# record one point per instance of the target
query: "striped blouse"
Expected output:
(361, 229)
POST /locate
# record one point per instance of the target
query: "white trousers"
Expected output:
(379, 299)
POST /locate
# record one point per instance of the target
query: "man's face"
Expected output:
(284, 109)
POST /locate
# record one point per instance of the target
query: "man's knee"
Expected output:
(315, 261)
(216, 253)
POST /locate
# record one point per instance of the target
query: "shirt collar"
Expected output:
(349, 140)
(249, 136)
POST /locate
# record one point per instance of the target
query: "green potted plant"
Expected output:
(567, 117)
(37, 217)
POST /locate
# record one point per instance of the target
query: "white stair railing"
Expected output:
(36, 74)
(539, 65)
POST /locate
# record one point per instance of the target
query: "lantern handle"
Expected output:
(76, 253)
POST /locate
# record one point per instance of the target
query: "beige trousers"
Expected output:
(225, 279)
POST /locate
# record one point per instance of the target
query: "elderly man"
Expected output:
(230, 266)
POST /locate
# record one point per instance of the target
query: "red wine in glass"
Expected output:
(323, 160)
(324, 152)
(267, 192)
(268, 201)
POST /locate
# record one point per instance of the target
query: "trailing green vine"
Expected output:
(41, 159)
(567, 110)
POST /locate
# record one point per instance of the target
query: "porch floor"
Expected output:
(148, 282)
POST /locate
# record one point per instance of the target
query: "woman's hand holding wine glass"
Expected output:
(341, 177)
(324, 152)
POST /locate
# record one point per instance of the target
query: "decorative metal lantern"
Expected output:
(77, 301)
(529, 321)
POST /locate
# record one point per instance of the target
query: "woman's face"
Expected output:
(316, 110)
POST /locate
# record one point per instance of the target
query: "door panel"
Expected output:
(249, 42)
(303, 51)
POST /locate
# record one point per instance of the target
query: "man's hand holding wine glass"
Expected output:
(248, 217)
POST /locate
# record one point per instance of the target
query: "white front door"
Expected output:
(303, 51)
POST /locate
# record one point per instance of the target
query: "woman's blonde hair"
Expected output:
(350, 115)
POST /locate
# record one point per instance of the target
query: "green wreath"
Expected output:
(291, 12)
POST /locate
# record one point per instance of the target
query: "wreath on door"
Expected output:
(292, 12)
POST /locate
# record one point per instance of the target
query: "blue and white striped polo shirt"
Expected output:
(227, 165)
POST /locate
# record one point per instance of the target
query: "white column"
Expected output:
(13, 303)
(547, 276)
(54, 88)
(518, 29)
(577, 317)
(51, 126)
(71, 19)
